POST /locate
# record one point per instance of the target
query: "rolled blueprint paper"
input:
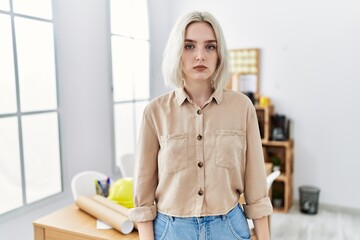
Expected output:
(105, 214)
(112, 205)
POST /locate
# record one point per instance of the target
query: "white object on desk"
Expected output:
(101, 225)
(82, 184)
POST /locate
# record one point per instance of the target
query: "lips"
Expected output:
(200, 67)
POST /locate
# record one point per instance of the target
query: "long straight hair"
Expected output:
(171, 65)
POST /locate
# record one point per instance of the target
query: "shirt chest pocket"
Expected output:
(173, 153)
(229, 148)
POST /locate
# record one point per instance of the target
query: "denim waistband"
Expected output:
(199, 220)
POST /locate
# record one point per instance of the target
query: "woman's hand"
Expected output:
(146, 230)
(262, 228)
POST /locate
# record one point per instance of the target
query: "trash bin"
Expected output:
(309, 198)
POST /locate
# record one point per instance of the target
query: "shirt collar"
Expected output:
(181, 96)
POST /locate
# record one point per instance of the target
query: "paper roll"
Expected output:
(105, 214)
(112, 205)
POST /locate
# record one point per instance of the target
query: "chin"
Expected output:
(201, 78)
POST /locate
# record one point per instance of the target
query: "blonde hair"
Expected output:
(171, 65)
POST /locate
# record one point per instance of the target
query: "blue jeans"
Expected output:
(232, 225)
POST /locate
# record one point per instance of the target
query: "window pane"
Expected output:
(4, 5)
(122, 53)
(10, 173)
(41, 156)
(121, 16)
(124, 130)
(130, 18)
(140, 20)
(141, 69)
(130, 64)
(36, 63)
(7, 76)
(36, 8)
(130, 68)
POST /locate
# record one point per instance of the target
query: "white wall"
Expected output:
(160, 27)
(310, 70)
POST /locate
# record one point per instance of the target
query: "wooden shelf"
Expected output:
(281, 178)
(264, 119)
(283, 150)
(279, 210)
(288, 143)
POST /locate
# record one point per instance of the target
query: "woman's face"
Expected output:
(199, 58)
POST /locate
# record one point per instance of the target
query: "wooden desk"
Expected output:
(70, 223)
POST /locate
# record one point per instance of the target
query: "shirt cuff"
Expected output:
(258, 209)
(143, 214)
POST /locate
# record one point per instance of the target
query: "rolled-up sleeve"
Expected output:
(258, 204)
(145, 176)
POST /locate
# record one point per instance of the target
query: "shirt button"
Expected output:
(198, 112)
(200, 164)
(200, 192)
(199, 137)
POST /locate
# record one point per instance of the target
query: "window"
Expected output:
(130, 71)
(30, 167)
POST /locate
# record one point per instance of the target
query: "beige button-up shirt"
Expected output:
(196, 161)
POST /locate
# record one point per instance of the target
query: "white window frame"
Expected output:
(26, 206)
(133, 101)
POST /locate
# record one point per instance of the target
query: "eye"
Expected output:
(211, 47)
(189, 46)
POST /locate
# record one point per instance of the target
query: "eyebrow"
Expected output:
(207, 41)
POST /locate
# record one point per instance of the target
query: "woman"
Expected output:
(199, 146)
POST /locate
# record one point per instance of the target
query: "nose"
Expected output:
(200, 55)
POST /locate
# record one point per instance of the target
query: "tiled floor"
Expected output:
(327, 224)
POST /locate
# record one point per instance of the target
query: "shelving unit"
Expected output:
(245, 77)
(283, 150)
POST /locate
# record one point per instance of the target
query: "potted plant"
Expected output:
(276, 163)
